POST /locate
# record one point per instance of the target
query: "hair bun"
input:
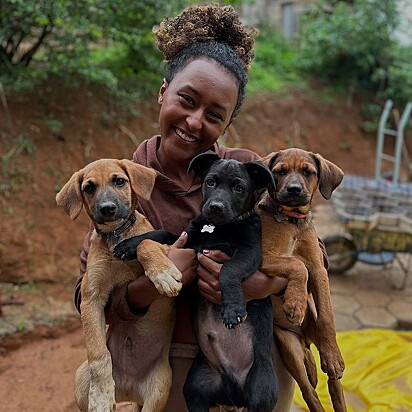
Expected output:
(201, 23)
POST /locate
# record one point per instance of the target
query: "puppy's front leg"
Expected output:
(233, 305)
(158, 268)
(244, 263)
(102, 386)
(331, 358)
(296, 294)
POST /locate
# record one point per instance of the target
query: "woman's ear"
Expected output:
(162, 91)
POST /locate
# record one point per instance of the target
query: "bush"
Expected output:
(355, 44)
(273, 67)
(62, 37)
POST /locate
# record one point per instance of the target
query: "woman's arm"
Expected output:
(132, 299)
(257, 286)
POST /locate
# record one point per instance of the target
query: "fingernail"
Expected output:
(184, 234)
(206, 251)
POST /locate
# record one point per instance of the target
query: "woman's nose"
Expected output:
(194, 120)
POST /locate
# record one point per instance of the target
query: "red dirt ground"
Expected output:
(40, 245)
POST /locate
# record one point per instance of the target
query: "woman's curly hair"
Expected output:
(203, 23)
(213, 32)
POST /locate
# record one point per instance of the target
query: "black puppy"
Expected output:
(233, 367)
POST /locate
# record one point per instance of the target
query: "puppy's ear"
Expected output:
(261, 175)
(330, 175)
(70, 196)
(201, 163)
(142, 178)
(270, 159)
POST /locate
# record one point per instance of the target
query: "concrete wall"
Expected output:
(282, 14)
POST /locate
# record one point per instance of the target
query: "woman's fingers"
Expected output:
(181, 241)
(209, 292)
(208, 271)
(216, 255)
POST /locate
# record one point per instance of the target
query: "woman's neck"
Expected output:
(177, 171)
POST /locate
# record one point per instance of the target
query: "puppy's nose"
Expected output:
(294, 188)
(216, 207)
(107, 209)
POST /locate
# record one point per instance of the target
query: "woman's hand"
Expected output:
(184, 259)
(260, 285)
(257, 286)
(210, 263)
(141, 292)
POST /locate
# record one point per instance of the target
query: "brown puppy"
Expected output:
(291, 249)
(137, 366)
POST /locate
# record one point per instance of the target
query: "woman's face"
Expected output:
(196, 108)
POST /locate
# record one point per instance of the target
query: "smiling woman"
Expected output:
(196, 108)
(208, 53)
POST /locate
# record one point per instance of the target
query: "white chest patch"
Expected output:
(208, 228)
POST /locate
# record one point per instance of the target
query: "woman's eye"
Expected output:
(210, 182)
(187, 99)
(89, 188)
(216, 116)
(120, 182)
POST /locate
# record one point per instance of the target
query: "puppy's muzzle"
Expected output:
(217, 212)
(108, 210)
(294, 189)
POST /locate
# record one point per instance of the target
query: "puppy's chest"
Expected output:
(282, 239)
(101, 260)
(292, 243)
(220, 237)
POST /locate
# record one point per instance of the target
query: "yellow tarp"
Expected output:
(378, 373)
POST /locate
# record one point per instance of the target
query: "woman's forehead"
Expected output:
(206, 76)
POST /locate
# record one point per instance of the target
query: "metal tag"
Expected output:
(208, 228)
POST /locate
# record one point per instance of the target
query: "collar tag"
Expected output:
(208, 228)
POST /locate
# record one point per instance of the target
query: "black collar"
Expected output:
(118, 231)
(245, 215)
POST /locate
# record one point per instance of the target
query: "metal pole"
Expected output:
(399, 141)
(381, 137)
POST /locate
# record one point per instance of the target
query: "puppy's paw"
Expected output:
(98, 402)
(233, 315)
(168, 282)
(125, 250)
(332, 363)
(102, 387)
(295, 310)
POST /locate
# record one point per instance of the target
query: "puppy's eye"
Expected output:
(307, 172)
(210, 182)
(281, 172)
(120, 182)
(239, 188)
(89, 188)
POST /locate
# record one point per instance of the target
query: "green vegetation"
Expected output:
(350, 46)
(354, 45)
(83, 40)
(274, 66)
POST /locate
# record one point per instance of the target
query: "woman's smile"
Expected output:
(185, 137)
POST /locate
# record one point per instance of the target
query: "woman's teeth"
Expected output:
(185, 137)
